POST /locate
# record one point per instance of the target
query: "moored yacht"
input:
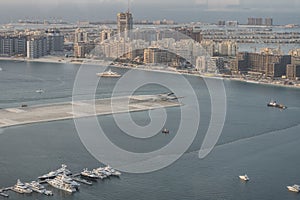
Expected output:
(68, 180)
(294, 188)
(112, 171)
(100, 173)
(59, 183)
(37, 187)
(21, 188)
(53, 174)
(89, 174)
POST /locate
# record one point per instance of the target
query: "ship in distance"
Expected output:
(53, 174)
(109, 74)
(276, 105)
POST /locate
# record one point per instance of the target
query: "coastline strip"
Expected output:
(78, 109)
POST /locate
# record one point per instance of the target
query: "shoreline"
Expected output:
(64, 60)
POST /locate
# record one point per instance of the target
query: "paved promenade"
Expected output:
(69, 110)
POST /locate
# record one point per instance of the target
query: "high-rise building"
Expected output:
(81, 36)
(268, 21)
(11, 45)
(272, 65)
(55, 41)
(37, 47)
(125, 22)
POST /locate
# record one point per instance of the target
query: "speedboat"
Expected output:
(244, 177)
(165, 131)
(109, 74)
(276, 105)
(294, 188)
(21, 188)
(40, 91)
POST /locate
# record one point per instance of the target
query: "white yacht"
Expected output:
(37, 187)
(244, 177)
(294, 188)
(89, 174)
(68, 180)
(112, 171)
(21, 188)
(100, 173)
(59, 183)
(109, 74)
(52, 174)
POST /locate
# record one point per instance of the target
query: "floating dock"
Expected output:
(86, 108)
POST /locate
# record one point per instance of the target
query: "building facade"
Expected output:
(124, 22)
(37, 47)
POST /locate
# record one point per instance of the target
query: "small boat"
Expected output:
(276, 105)
(244, 177)
(165, 131)
(294, 188)
(40, 91)
(109, 74)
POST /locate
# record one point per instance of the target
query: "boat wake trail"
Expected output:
(277, 131)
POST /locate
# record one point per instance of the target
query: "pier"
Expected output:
(86, 108)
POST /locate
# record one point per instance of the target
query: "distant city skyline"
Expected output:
(180, 11)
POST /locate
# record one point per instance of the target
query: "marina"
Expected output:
(69, 183)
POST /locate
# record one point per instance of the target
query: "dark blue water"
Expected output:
(260, 141)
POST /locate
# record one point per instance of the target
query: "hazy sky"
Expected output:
(284, 11)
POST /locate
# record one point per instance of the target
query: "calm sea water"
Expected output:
(257, 140)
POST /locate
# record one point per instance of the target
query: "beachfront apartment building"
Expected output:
(37, 47)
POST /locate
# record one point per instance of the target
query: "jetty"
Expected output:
(85, 108)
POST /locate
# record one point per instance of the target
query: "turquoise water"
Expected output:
(260, 141)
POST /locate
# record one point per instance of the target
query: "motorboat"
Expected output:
(109, 74)
(276, 105)
(40, 91)
(21, 188)
(244, 177)
(89, 174)
(293, 188)
(165, 131)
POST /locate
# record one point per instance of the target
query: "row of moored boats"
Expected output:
(63, 179)
(292, 188)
